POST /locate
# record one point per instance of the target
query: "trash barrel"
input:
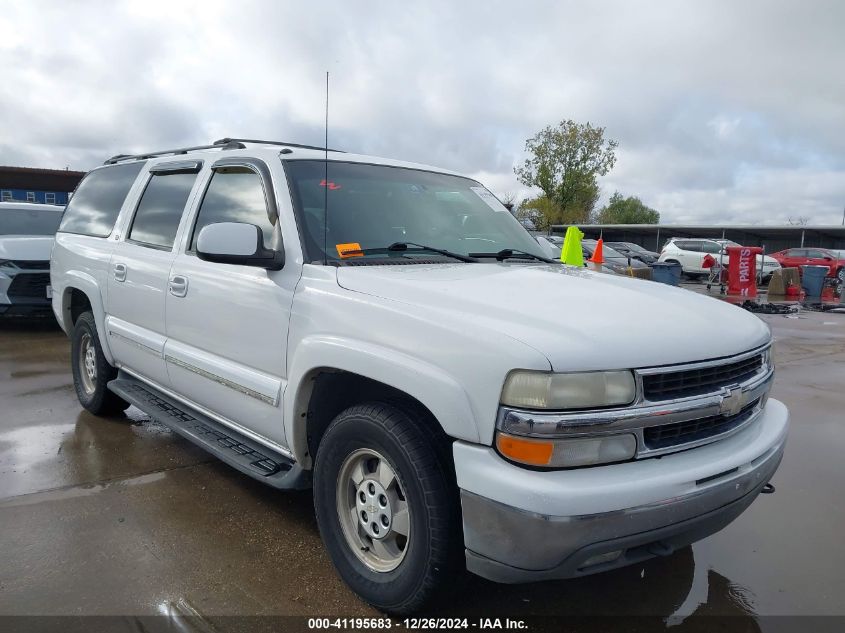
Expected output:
(666, 273)
(812, 279)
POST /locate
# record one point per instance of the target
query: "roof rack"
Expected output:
(285, 143)
(224, 144)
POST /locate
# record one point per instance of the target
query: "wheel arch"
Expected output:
(350, 372)
(82, 293)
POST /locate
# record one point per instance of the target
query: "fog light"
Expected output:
(599, 559)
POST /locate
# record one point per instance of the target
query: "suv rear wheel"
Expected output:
(91, 370)
(385, 507)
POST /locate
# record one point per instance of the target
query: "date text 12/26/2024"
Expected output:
(376, 624)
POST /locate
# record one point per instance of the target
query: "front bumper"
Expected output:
(25, 293)
(522, 525)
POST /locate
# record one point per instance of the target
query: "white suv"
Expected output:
(690, 254)
(26, 238)
(390, 335)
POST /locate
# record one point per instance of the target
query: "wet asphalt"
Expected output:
(121, 516)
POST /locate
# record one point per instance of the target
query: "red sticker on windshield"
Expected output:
(331, 185)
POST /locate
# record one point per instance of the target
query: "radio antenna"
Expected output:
(326, 180)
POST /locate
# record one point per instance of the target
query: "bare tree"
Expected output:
(509, 200)
(800, 220)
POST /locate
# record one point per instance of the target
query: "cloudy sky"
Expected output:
(725, 111)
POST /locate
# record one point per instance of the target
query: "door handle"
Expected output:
(178, 286)
(120, 272)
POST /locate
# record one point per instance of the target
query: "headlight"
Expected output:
(541, 390)
(567, 453)
(769, 356)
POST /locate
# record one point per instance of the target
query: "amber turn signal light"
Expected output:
(525, 450)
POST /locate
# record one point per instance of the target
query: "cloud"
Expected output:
(724, 111)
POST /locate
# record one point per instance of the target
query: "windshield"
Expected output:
(374, 206)
(29, 221)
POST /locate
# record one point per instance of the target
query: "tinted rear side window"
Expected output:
(96, 203)
(160, 209)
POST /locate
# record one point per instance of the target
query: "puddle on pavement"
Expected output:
(62, 494)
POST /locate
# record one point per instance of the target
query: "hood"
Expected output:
(577, 318)
(25, 247)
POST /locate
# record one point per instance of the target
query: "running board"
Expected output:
(248, 456)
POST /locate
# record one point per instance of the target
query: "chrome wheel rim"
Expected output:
(87, 364)
(373, 510)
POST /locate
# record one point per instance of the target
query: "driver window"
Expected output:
(235, 194)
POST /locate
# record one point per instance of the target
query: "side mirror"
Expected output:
(237, 243)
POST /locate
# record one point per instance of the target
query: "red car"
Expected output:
(796, 257)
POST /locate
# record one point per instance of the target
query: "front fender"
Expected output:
(433, 386)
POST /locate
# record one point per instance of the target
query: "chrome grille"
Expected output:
(693, 382)
(667, 435)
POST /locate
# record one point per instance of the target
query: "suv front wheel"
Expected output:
(91, 370)
(385, 507)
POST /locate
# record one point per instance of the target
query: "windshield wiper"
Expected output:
(508, 253)
(401, 247)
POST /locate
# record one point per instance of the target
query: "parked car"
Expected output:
(629, 249)
(389, 335)
(613, 259)
(690, 253)
(26, 238)
(797, 257)
(553, 244)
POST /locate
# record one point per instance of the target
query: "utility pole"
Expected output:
(843, 216)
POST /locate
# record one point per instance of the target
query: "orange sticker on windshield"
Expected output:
(353, 249)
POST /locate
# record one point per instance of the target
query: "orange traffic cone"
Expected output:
(598, 254)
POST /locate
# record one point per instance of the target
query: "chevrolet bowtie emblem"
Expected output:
(731, 401)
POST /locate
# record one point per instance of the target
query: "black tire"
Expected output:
(435, 541)
(91, 390)
(840, 275)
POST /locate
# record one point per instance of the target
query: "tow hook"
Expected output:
(660, 549)
(767, 489)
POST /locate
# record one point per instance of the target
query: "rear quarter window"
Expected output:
(96, 203)
(688, 246)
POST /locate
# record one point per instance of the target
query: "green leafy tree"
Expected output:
(565, 162)
(630, 210)
(539, 211)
